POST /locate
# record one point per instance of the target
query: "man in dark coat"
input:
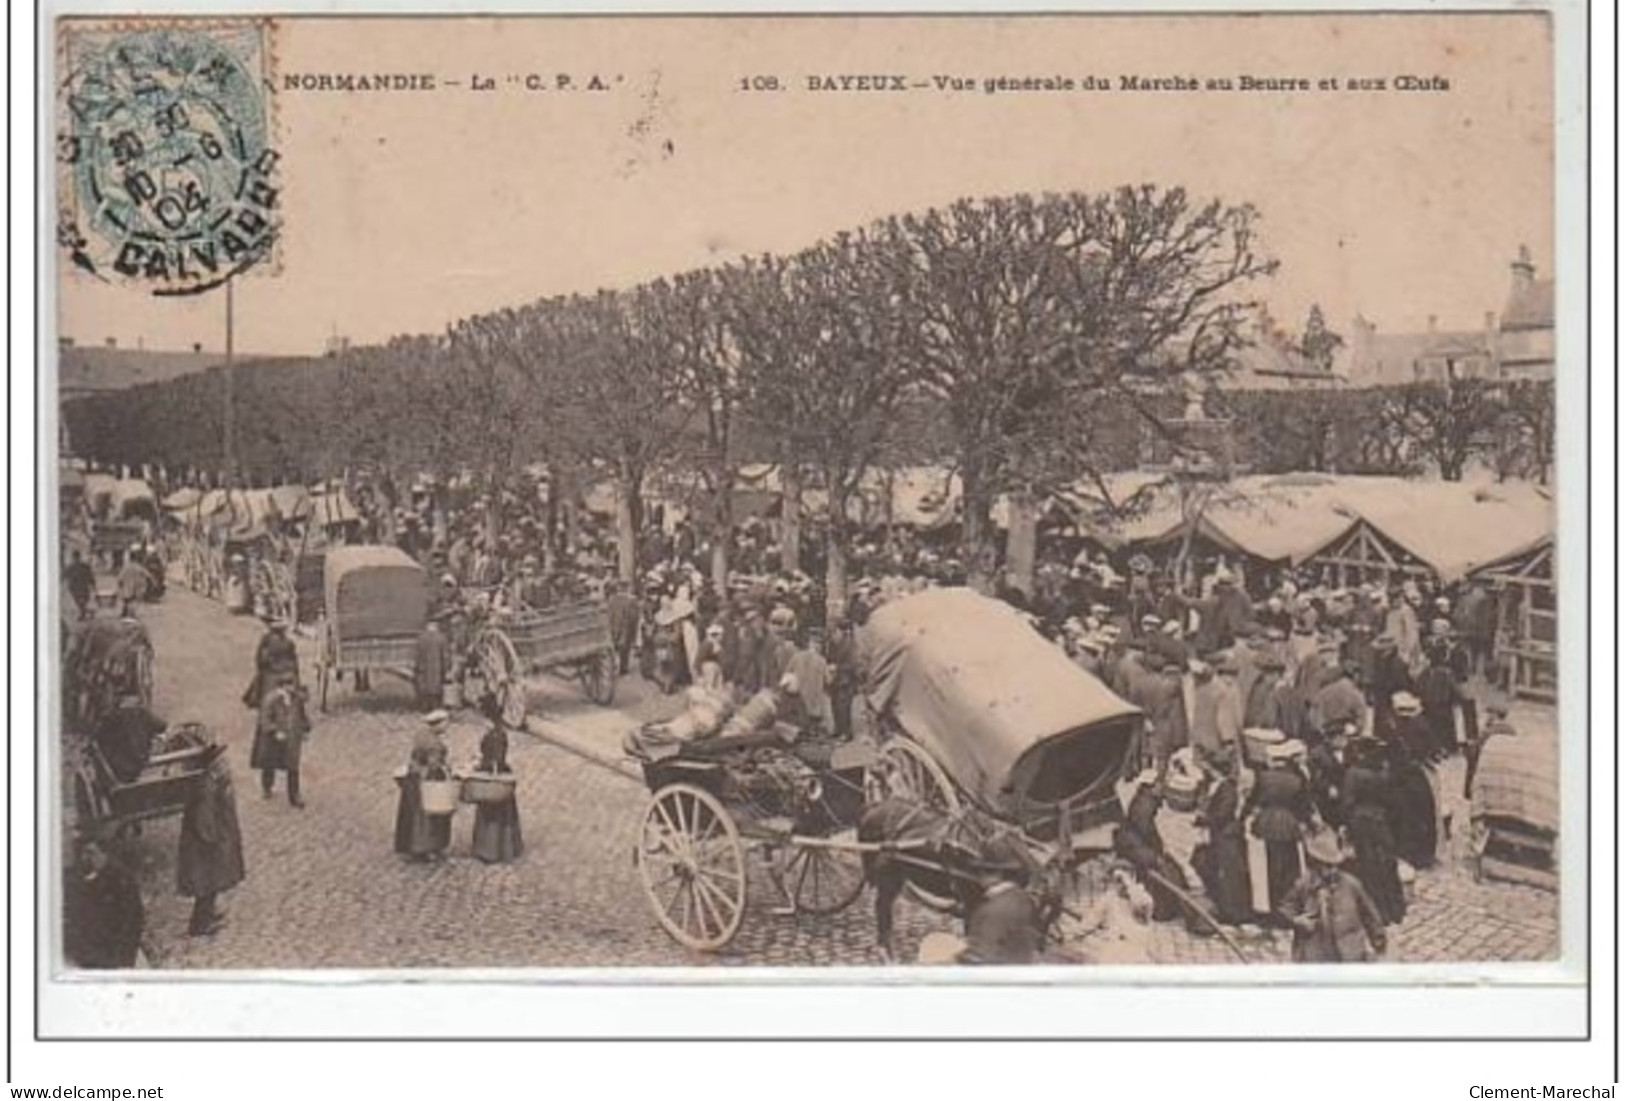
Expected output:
(622, 608)
(81, 583)
(279, 735)
(430, 658)
(1162, 697)
(102, 914)
(1389, 677)
(275, 658)
(1139, 841)
(210, 861)
(124, 736)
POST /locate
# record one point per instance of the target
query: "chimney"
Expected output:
(64, 342)
(1523, 269)
(112, 342)
(1433, 323)
(197, 347)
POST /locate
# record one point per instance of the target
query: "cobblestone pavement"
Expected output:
(324, 888)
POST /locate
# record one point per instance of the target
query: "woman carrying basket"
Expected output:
(497, 839)
(421, 836)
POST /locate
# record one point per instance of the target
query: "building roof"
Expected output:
(1530, 306)
(1390, 357)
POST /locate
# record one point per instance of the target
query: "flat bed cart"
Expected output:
(571, 640)
(377, 602)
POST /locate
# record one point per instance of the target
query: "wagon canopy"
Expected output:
(375, 592)
(1014, 722)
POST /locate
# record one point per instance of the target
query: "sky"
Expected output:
(405, 211)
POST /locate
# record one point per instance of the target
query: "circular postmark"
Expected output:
(165, 146)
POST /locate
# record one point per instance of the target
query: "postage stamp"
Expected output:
(167, 166)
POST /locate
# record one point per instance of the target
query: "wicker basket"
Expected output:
(486, 787)
(439, 797)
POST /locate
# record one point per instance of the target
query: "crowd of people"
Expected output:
(1301, 722)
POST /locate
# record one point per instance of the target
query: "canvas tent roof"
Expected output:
(332, 507)
(1457, 527)
(129, 491)
(183, 498)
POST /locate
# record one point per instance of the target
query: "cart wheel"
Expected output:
(692, 863)
(499, 668)
(909, 772)
(598, 676)
(825, 881)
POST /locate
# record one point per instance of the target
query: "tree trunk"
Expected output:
(980, 558)
(790, 518)
(835, 578)
(722, 526)
(1021, 552)
(626, 524)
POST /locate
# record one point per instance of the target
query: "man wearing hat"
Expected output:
(276, 656)
(279, 735)
(430, 658)
(1339, 703)
(1332, 916)
(210, 858)
(622, 610)
(1162, 698)
(103, 917)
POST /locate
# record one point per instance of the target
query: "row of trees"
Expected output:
(1028, 342)
(1028, 326)
(1439, 427)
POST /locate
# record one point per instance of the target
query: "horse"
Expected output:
(947, 856)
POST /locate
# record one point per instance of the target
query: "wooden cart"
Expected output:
(104, 802)
(571, 640)
(377, 602)
(712, 802)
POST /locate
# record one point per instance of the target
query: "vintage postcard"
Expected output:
(877, 494)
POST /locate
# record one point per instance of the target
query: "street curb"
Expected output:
(571, 741)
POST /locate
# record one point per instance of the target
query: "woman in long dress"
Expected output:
(419, 836)
(1222, 861)
(497, 839)
(1366, 802)
(1279, 805)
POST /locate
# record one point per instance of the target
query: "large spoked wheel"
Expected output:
(499, 667)
(909, 772)
(598, 675)
(825, 881)
(692, 863)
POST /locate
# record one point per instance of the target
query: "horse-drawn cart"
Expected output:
(572, 640)
(377, 602)
(977, 711)
(106, 659)
(994, 741)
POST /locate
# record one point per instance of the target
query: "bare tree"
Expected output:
(818, 338)
(1446, 421)
(1025, 313)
